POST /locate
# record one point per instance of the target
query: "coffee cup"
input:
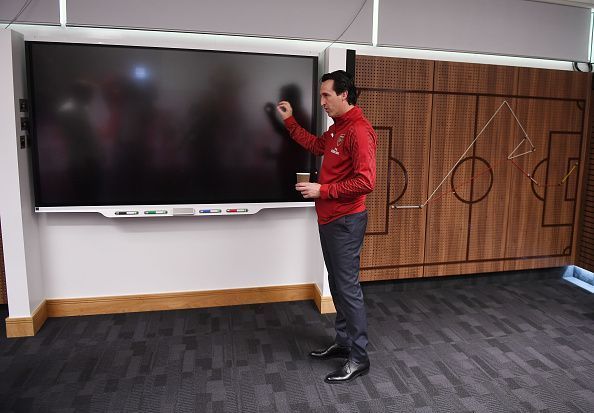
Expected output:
(302, 177)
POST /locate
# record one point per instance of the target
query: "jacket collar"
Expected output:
(349, 116)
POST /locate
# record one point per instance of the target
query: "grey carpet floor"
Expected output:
(521, 342)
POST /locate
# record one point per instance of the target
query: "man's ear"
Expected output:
(345, 95)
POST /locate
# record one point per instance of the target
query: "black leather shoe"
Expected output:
(332, 352)
(348, 372)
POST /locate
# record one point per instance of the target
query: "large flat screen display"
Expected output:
(118, 125)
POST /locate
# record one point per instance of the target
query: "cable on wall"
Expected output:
(576, 67)
(348, 27)
(25, 5)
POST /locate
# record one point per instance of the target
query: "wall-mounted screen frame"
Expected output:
(144, 129)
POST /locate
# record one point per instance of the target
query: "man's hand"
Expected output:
(308, 189)
(285, 109)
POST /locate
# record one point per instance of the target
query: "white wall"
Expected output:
(88, 255)
(20, 236)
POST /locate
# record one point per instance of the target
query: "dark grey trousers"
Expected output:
(341, 241)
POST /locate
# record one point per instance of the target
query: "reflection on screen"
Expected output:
(126, 125)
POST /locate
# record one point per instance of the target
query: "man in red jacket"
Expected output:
(346, 176)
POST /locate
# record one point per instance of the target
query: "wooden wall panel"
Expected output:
(552, 83)
(475, 78)
(403, 128)
(529, 235)
(392, 73)
(534, 263)
(585, 255)
(492, 171)
(563, 160)
(492, 213)
(378, 203)
(453, 129)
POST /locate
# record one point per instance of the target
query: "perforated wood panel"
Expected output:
(378, 203)
(447, 213)
(563, 159)
(3, 292)
(492, 171)
(529, 233)
(403, 128)
(552, 83)
(392, 73)
(475, 78)
(491, 213)
(585, 257)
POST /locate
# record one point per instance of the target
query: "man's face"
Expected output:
(334, 105)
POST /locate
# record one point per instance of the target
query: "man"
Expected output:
(347, 174)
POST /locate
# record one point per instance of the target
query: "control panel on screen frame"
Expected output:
(152, 211)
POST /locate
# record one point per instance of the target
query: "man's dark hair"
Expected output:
(343, 81)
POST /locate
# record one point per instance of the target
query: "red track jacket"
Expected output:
(348, 168)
